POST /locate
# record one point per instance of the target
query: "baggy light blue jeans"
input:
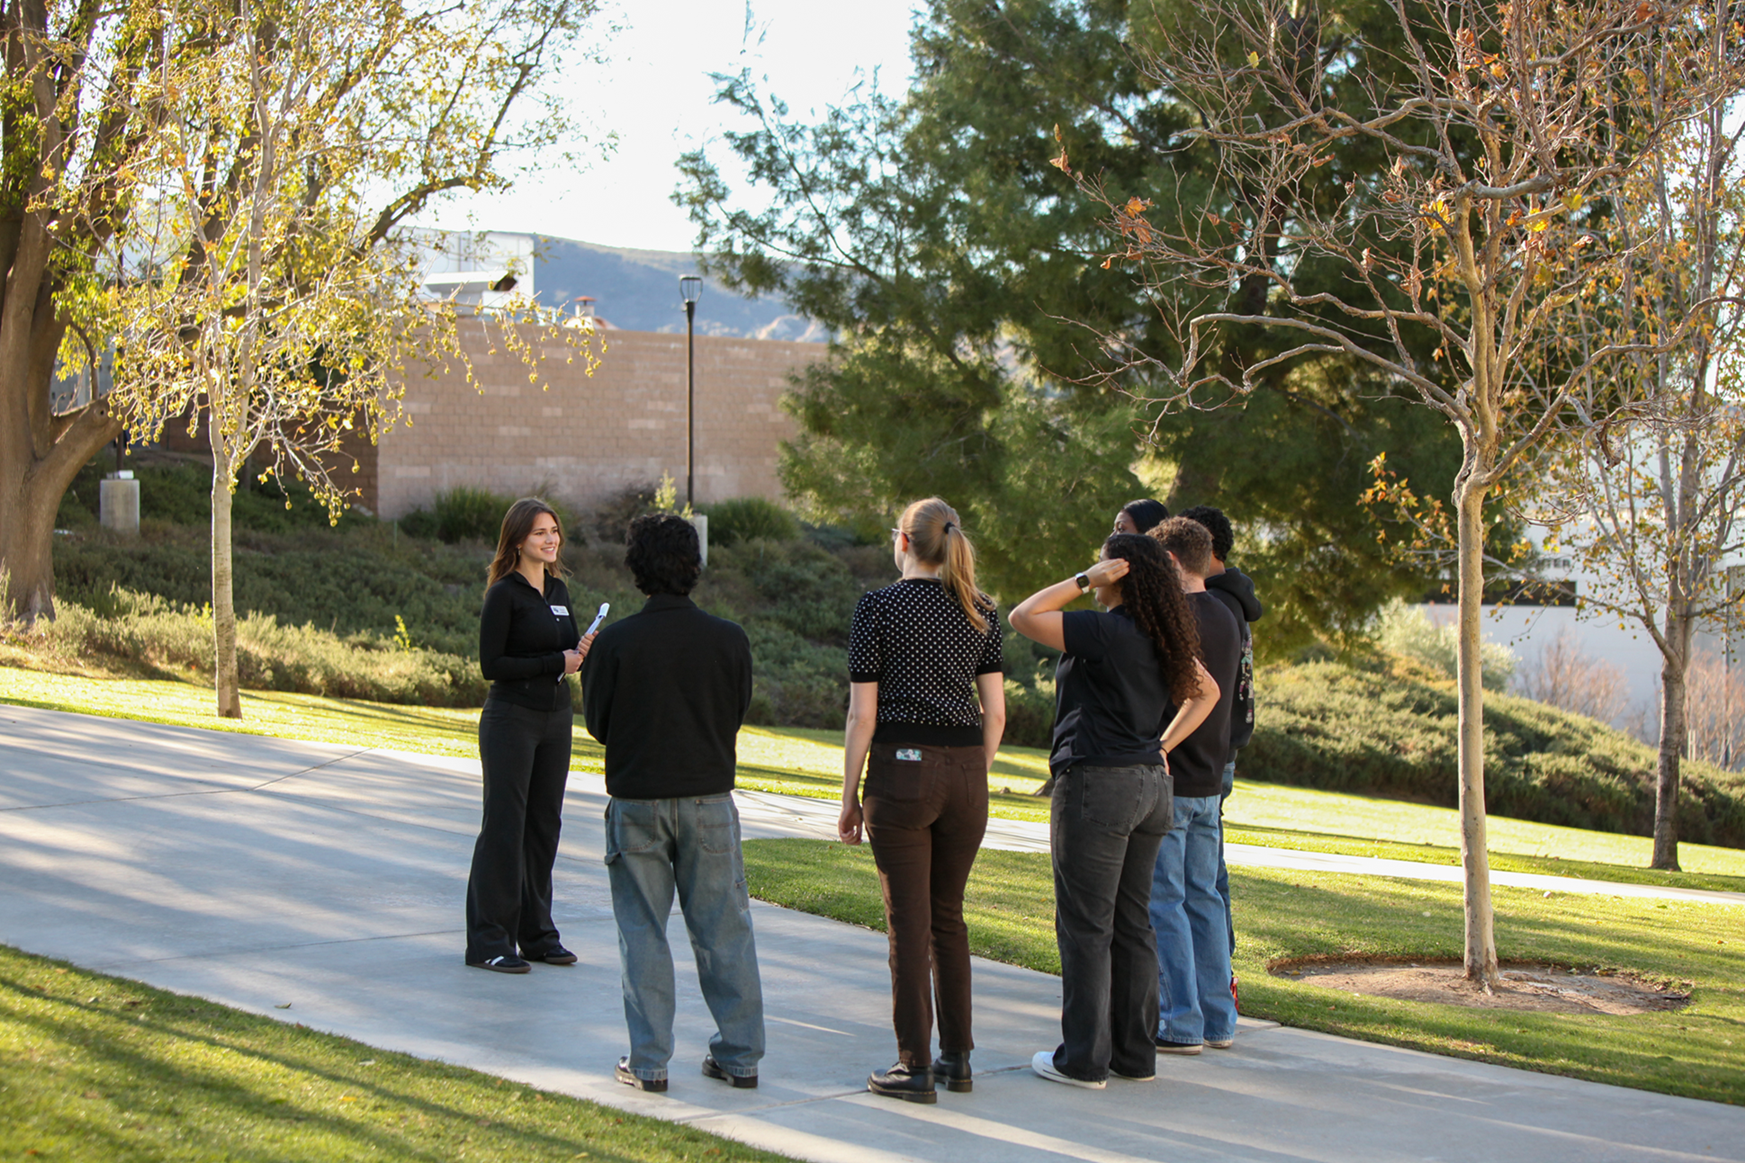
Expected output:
(654, 847)
(1193, 948)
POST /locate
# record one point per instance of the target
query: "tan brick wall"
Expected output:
(585, 438)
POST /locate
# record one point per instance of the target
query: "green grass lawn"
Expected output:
(808, 762)
(1698, 1052)
(99, 1068)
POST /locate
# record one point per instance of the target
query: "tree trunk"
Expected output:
(1481, 946)
(35, 472)
(1674, 729)
(225, 679)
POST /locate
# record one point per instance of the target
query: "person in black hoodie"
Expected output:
(528, 645)
(1236, 590)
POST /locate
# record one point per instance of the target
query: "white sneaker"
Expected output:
(1043, 1064)
(1220, 1043)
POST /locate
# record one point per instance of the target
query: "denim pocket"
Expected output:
(632, 826)
(1109, 799)
(715, 824)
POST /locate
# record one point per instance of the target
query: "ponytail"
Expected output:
(936, 537)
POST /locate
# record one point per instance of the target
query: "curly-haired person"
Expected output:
(1129, 688)
(666, 690)
(1187, 912)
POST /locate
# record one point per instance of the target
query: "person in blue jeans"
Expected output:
(1195, 1007)
(1236, 590)
(1128, 689)
(666, 691)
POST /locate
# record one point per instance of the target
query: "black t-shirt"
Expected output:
(1197, 763)
(1110, 698)
(915, 641)
(522, 636)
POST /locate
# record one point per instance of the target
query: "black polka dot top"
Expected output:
(915, 641)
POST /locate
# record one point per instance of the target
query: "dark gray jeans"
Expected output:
(1106, 824)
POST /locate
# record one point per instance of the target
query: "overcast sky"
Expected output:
(655, 92)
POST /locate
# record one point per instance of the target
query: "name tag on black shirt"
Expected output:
(561, 611)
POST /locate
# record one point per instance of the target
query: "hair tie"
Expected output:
(949, 527)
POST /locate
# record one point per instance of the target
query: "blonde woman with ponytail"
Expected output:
(926, 708)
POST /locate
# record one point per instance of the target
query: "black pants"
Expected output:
(925, 818)
(526, 757)
(1106, 825)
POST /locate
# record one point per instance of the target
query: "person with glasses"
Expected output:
(927, 706)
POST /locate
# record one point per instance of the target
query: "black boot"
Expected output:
(901, 1082)
(954, 1069)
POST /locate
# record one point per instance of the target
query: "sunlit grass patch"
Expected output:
(100, 1068)
(1283, 916)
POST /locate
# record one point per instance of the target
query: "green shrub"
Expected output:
(1407, 631)
(177, 639)
(468, 514)
(795, 683)
(750, 519)
(1385, 732)
(806, 590)
(1030, 714)
(348, 583)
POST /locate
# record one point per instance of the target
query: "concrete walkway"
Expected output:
(259, 872)
(799, 816)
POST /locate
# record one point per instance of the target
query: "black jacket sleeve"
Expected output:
(496, 623)
(599, 680)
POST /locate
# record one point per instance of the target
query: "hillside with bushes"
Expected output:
(389, 611)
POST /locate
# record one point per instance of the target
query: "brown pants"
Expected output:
(925, 818)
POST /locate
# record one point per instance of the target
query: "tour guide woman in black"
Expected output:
(1118, 674)
(528, 645)
(927, 699)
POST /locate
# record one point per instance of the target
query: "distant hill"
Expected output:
(638, 290)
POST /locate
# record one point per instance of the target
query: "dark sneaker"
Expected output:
(508, 963)
(953, 1070)
(713, 1069)
(901, 1082)
(1165, 1046)
(556, 955)
(652, 1085)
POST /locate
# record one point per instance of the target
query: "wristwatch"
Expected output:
(1084, 582)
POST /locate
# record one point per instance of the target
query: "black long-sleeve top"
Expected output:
(666, 690)
(522, 637)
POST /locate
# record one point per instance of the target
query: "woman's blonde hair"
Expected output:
(517, 525)
(936, 537)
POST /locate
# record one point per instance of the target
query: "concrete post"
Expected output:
(701, 523)
(118, 502)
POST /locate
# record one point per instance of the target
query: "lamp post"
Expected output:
(690, 290)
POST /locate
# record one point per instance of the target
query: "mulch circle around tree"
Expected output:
(1524, 986)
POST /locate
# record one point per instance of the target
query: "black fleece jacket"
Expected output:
(666, 690)
(1236, 590)
(522, 637)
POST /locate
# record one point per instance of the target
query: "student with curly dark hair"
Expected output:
(1121, 675)
(666, 690)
